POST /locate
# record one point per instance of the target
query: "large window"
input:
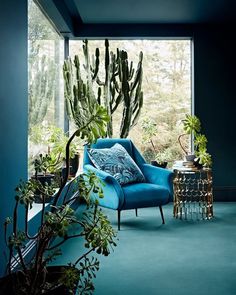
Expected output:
(46, 99)
(166, 88)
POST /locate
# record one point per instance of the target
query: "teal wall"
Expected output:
(215, 102)
(13, 105)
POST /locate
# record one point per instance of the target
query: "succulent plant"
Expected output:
(192, 125)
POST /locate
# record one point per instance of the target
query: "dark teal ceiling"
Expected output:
(72, 16)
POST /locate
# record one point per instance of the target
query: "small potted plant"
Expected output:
(192, 126)
(163, 157)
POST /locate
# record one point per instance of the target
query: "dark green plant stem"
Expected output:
(179, 140)
(73, 236)
(10, 258)
(68, 163)
(153, 146)
(15, 234)
(84, 255)
(64, 181)
(53, 165)
(26, 226)
(66, 193)
(64, 240)
(43, 210)
(38, 262)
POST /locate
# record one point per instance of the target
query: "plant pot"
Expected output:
(16, 280)
(161, 165)
(190, 158)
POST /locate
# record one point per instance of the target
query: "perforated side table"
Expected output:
(193, 197)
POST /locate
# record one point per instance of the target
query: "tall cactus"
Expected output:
(119, 86)
(80, 99)
(133, 96)
(41, 90)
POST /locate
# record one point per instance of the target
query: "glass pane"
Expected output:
(46, 98)
(167, 92)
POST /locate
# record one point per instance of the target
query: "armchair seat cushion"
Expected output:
(141, 195)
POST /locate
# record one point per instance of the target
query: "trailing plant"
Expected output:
(121, 85)
(31, 276)
(192, 126)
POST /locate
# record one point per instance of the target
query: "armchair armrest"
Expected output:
(113, 193)
(157, 175)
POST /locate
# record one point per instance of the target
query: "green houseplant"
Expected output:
(34, 276)
(53, 140)
(192, 126)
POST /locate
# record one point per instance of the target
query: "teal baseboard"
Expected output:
(224, 194)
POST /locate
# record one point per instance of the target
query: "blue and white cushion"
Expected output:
(117, 162)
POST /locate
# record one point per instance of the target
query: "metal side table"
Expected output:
(193, 197)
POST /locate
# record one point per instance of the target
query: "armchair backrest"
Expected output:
(109, 142)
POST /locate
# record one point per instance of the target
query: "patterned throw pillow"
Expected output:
(117, 162)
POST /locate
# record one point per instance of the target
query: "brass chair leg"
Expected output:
(162, 216)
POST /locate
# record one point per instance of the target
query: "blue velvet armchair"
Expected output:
(157, 190)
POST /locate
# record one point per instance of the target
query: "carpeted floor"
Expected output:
(178, 258)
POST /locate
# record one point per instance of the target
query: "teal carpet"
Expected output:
(178, 258)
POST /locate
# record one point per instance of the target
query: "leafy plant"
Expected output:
(31, 276)
(163, 156)
(192, 125)
(45, 163)
(54, 141)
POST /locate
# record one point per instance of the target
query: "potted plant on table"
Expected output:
(192, 126)
(34, 276)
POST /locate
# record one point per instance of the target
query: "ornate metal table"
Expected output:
(193, 197)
